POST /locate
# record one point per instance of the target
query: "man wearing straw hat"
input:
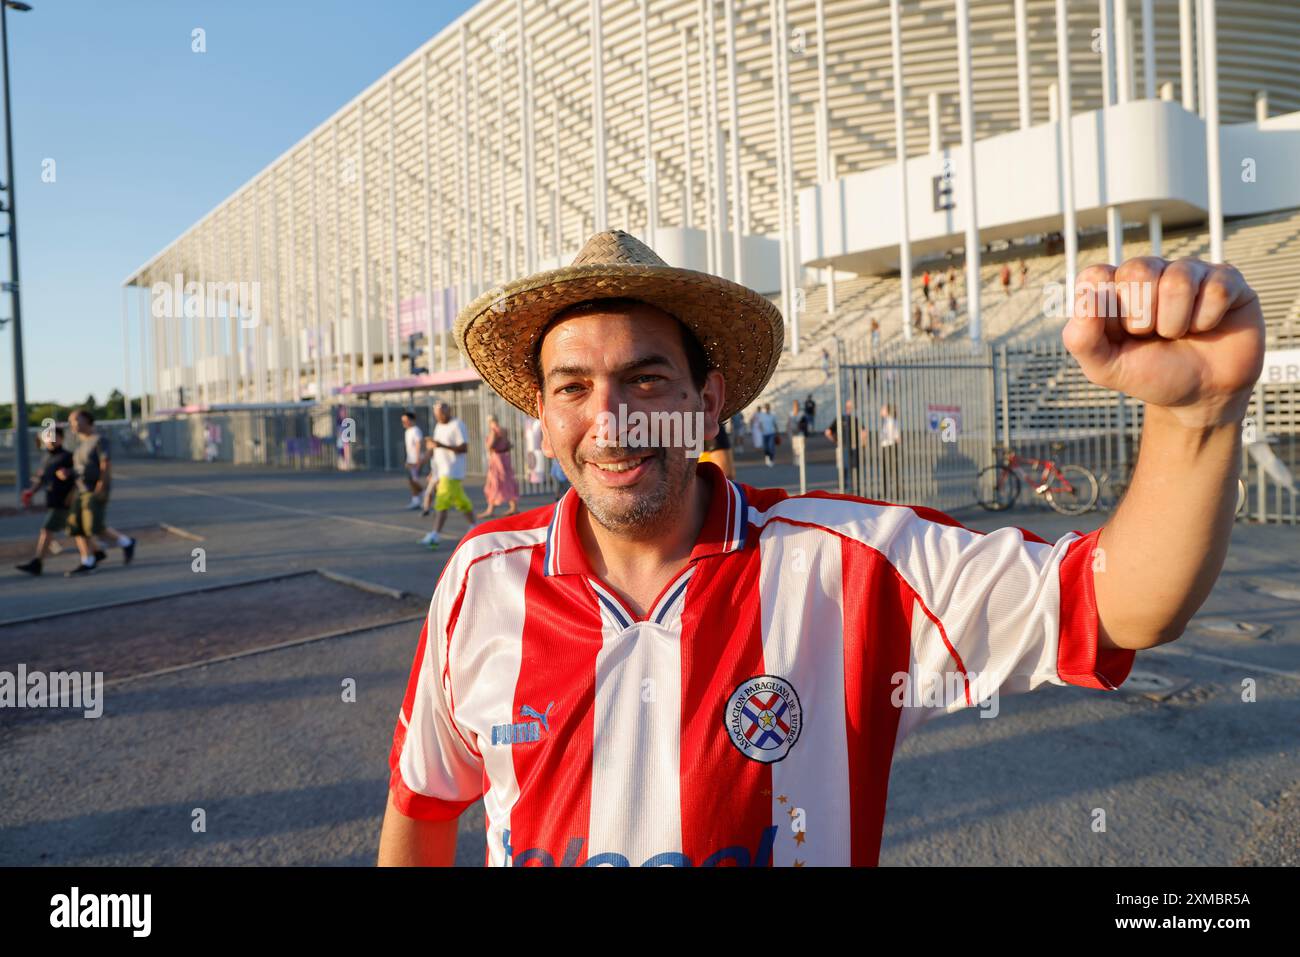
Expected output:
(666, 667)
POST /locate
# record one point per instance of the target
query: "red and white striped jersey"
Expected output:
(752, 716)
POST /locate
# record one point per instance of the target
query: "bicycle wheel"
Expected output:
(997, 488)
(1074, 491)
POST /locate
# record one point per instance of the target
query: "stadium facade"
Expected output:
(759, 140)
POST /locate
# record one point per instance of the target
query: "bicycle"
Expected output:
(1111, 490)
(1069, 489)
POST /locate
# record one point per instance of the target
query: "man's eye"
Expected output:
(647, 377)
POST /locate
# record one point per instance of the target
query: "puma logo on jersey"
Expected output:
(524, 732)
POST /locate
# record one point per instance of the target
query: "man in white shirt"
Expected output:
(413, 437)
(450, 445)
(891, 438)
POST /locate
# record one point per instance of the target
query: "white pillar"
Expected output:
(688, 198)
(1186, 56)
(428, 209)
(1123, 53)
(733, 117)
(1201, 92)
(277, 316)
(791, 211)
(527, 140)
(823, 135)
(480, 189)
(506, 229)
(1070, 229)
(395, 337)
(1022, 65)
(295, 337)
(968, 171)
(600, 210)
(126, 357)
(315, 279)
(650, 172)
(257, 331)
(717, 163)
(1211, 105)
(1261, 105)
(1111, 84)
(557, 240)
(1053, 102)
(1155, 224)
(464, 285)
(336, 334)
(900, 153)
(708, 130)
(365, 245)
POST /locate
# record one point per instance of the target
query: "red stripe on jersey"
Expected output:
(561, 639)
(726, 798)
(1079, 658)
(877, 642)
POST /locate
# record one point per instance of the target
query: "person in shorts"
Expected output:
(92, 463)
(58, 478)
(412, 438)
(450, 445)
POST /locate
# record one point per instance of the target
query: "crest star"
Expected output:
(798, 863)
(767, 791)
(798, 838)
(781, 798)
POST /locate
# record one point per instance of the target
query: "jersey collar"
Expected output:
(723, 531)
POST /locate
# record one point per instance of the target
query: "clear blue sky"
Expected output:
(147, 136)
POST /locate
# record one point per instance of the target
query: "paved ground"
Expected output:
(286, 771)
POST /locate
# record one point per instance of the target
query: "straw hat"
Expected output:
(740, 331)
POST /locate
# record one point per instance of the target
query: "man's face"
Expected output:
(443, 414)
(407, 421)
(80, 425)
(591, 364)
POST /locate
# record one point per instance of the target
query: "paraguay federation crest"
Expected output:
(763, 718)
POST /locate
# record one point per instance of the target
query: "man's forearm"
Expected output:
(1164, 548)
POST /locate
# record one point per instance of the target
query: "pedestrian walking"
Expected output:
(57, 475)
(891, 438)
(450, 445)
(499, 487)
(412, 440)
(1005, 277)
(93, 466)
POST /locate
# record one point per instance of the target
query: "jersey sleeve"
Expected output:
(435, 772)
(997, 613)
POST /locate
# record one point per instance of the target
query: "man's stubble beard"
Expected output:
(643, 509)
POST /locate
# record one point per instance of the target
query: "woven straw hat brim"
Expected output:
(740, 331)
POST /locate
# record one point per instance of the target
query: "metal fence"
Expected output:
(957, 404)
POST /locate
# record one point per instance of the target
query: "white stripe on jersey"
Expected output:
(814, 776)
(636, 743)
(485, 669)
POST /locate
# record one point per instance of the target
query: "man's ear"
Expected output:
(712, 396)
(546, 437)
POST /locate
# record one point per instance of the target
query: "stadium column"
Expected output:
(232, 312)
(1211, 105)
(557, 240)
(900, 153)
(688, 188)
(336, 338)
(787, 153)
(259, 364)
(428, 207)
(527, 140)
(824, 172)
(480, 167)
(1066, 127)
(968, 170)
(291, 298)
(600, 211)
(1111, 70)
(651, 172)
(126, 354)
(717, 164)
(1022, 65)
(319, 392)
(462, 132)
(277, 323)
(707, 131)
(1200, 58)
(507, 225)
(733, 115)
(1156, 226)
(366, 355)
(444, 248)
(394, 336)
(1186, 56)
(780, 158)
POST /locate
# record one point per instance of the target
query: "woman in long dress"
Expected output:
(500, 488)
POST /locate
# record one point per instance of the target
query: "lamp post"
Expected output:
(20, 397)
